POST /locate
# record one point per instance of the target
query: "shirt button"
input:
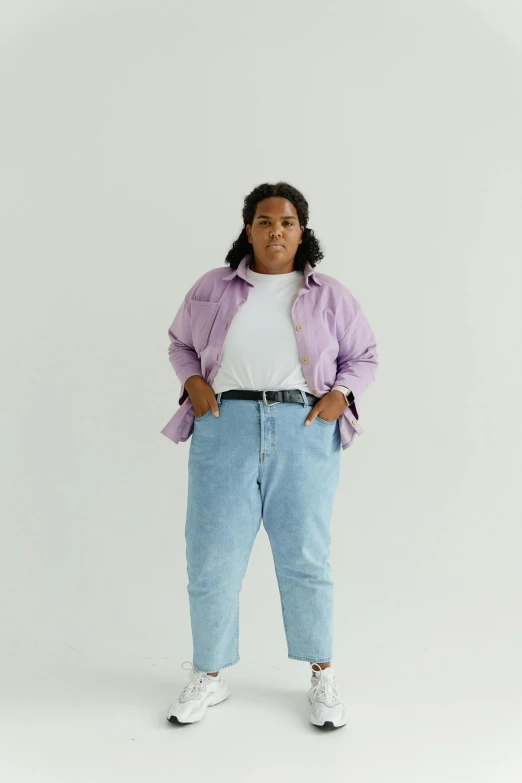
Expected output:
(304, 359)
(354, 421)
(314, 391)
(298, 328)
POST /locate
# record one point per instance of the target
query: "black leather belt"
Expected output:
(278, 395)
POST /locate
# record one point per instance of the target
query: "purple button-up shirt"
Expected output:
(335, 342)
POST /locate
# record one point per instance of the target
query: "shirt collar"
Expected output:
(240, 271)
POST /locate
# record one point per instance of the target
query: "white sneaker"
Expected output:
(200, 692)
(328, 710)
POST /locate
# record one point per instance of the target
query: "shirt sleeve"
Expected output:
(357, 359)
(181, 352)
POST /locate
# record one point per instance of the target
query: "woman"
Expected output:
(272, 358)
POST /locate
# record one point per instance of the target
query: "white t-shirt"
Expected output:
(260, 350)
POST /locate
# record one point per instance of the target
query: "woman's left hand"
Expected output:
(329, 407)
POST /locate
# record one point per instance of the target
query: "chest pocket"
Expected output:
(202, 317)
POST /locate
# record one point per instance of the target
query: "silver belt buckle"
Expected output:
(269, 403)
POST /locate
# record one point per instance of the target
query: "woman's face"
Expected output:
(275, 234)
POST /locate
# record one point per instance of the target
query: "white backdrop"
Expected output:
(131, 132)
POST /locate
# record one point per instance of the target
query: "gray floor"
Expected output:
(425, 716)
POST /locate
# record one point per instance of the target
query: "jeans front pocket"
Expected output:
(328, 423)
(200, 418)
(323, 421)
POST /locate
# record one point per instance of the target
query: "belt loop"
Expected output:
(303, 395)
(218, 398)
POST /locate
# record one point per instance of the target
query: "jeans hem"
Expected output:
(310, 660)
(215, 668)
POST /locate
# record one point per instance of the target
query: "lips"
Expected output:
(275, 244)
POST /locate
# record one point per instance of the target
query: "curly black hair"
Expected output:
(309, 249)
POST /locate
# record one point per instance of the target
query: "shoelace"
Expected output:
(325, 690)
(195, 684)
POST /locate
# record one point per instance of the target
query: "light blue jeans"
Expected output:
(253, 462)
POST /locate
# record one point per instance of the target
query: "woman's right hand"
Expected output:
(201, 396)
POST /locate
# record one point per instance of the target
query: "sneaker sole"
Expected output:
(329, 724)
(215, 698)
